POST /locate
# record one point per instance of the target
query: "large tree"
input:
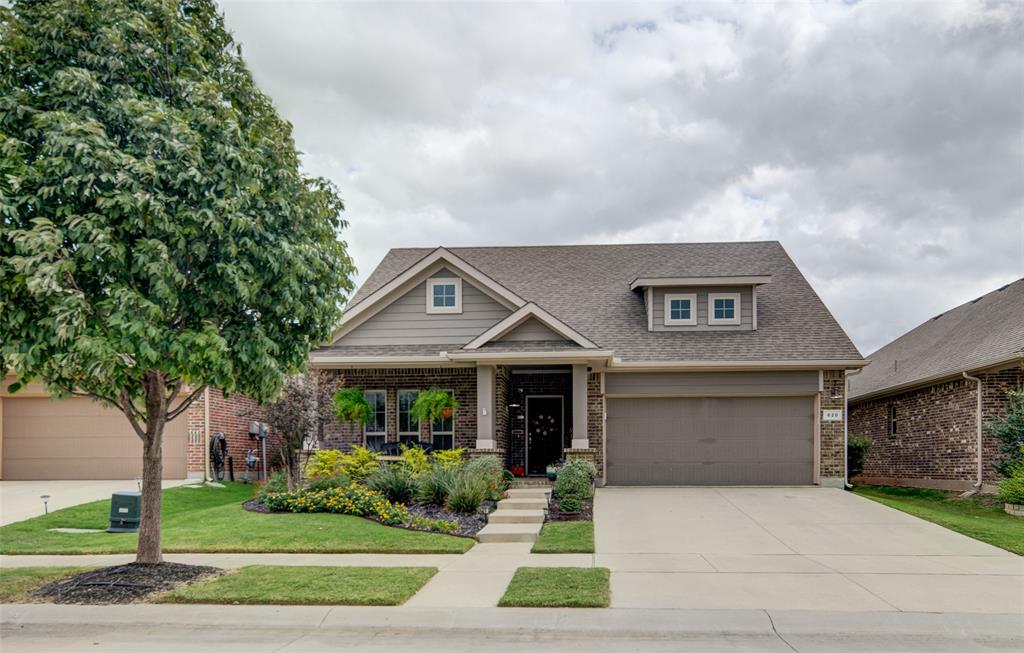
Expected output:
(157, 235)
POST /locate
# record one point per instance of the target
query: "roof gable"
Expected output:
(530, 313)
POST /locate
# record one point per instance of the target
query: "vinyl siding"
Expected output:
(531, 330)
(406, 322)
(746, 309)
(711, 383)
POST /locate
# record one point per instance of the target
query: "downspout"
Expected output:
(206, 437)
(977, 486)
(846, 425)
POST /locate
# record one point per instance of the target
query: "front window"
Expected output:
(408, 425)
(375, 431)
(680, 309)
(444, 296)
(443, 432)
(723, 308)
(892, 419)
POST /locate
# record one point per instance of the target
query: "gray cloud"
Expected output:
(882, 144)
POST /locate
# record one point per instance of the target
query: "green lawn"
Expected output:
(17, 583)
(212, 520)
(981, 517)
(558, 587)
(284, 585)
(565, 537)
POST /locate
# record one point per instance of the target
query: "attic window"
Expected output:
(680, 309)
(724, 308)
(444, 296)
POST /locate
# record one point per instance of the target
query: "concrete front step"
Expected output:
(508, 533)
(523, 504)
(529, 493)
(500, 516)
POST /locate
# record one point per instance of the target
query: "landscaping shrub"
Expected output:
(414, 461)
(569, 504)
(575, 479)
(356, 500)
(467, 493)
(1011, 489)
(433, 487)
(278, 482)
(1008, 430)
(329, 482)
(857, 447)
(489, 472)
(324, 464)
(394, 482)
(359, 464)
(450, 458)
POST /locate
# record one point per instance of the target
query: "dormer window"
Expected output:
(723, 308)
(680, 309)
(444, 296)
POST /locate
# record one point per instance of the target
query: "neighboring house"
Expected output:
(918, 400)
(668, 364)
(76, 438)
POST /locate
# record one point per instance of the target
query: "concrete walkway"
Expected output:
(21, 500)
(308, 629)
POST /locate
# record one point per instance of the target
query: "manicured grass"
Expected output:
(565, 537)
(17, 583)
(558, 587)
(284, 585)
(981, 517)
(212, 520)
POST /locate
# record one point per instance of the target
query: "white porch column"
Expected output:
(485, 407)
(579, 407)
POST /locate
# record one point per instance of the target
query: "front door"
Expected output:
(545, 430)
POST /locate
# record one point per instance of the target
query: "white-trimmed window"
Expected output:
(443, 431)
(444, 296)
(375, 433)
(680, 309)
(723, 308)
(408, 425)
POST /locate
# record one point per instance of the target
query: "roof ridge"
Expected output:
(595, 245)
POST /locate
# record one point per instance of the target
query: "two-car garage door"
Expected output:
(710, 440)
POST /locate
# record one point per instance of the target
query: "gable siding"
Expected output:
(746, 309)
(531, 330)
(406, 322)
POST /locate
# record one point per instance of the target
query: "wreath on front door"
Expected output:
(543, 425)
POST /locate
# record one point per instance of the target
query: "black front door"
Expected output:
(545, 424)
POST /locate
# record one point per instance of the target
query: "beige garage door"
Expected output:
(711, 441)
(79, 439)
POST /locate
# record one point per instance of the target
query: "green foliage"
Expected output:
(575, 479)
(489, 472)
(1008, 430)
(857, 447)
(451, 458)
(414, 461)
(433, 487)
(569, 504)
(1011, 489)
(324, 463)
(153, 215)
(359, 464)
(394, 482)
(278, 482)
(329, 482)
(467, 493)
(350, 405)
(354, 499)
(433, 404)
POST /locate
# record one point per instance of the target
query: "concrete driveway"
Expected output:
(21, 500)
(792, 548)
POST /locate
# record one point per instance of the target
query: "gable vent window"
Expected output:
(723, 308)
(444, 296)
(892, 419)
(680, 309)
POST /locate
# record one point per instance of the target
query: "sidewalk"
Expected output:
(259, 629)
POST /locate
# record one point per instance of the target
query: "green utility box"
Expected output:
(125, 512)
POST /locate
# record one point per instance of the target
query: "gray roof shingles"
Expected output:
(982, 332)
(587, 287)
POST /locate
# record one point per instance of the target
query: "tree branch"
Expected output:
(133, 413)
(171, 414)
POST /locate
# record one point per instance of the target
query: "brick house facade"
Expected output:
(213, 412)
(935, 439)
(832, 433)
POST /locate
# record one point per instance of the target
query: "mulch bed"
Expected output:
(586, 512)
(123, 583)
(255, 505)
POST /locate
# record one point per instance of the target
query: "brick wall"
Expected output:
(935, 440)
(502, 382)
(460, 380)
(524, 384)
(595, 420)
(231, 416)
(833, 465)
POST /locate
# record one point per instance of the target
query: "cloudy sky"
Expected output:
(882, 144)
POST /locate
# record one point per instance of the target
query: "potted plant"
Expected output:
(1011, 491)
(433, 404)
(350, 405)
(551, 471)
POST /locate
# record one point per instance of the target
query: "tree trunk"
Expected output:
(152, 469)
